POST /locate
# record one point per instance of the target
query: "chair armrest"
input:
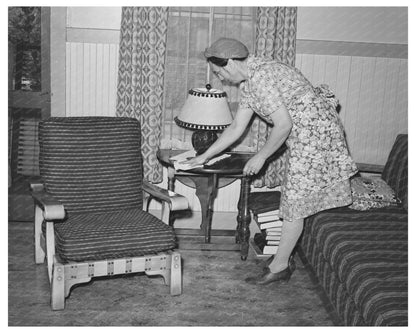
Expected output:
(52, 208)
(36, 186)
(371, 168)
(175, 200)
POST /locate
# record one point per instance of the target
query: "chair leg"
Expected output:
(39, 252)
(50, 247)
(58, 287)
(176, 275)
(70, 283)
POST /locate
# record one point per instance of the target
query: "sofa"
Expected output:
(360, 257)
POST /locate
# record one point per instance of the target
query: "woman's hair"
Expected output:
(221, 62)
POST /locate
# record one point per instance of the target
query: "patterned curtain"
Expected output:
(275, 39)
(141, 78)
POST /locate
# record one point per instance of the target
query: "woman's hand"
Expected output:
(254, 165)
(197, 160)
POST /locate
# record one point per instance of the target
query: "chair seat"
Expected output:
(126, 233)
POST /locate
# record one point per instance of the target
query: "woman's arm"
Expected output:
(278, 135)
(231, 134)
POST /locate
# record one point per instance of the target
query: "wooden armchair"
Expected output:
(89, 217)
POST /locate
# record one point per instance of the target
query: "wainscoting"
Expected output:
(369, 80)
(91, 79)
(373, 96)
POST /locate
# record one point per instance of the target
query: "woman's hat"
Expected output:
(227, 48)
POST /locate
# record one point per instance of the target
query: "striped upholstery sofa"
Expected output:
(360, 258)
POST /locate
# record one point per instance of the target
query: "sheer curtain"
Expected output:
(190, 31)
(141, 78)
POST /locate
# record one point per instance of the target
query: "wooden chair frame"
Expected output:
(63, 275)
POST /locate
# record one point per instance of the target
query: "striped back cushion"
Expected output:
(92, 164)
(395, 172)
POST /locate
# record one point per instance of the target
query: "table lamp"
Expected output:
(206, 111)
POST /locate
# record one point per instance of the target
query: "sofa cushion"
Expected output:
(127, 233)
(367, 254)
(371, 192)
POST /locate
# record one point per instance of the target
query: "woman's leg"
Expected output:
(291, 232)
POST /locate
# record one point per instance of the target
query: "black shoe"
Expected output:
(269, 277)
(270, 259)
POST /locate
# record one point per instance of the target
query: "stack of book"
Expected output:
(271, 229)
(265, 209)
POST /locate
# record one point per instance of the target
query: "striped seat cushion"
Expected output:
(127, 233)
(362, 255)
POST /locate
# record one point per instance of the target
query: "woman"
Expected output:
(317, 166)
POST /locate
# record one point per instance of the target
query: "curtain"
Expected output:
(275, 39)
(141, 78)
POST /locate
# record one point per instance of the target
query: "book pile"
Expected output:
(271, 229)
(265, 209)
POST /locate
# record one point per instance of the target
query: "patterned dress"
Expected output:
(317, 162)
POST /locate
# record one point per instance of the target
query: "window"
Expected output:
(24, 82)
(190, 31)
(24, 41)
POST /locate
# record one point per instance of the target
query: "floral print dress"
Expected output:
(317, 162)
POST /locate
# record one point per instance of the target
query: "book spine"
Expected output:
(273, 237)
(269, 213)
(273, 242)
(267, 225)
(270, 249)
(273, 231)
(267, 218)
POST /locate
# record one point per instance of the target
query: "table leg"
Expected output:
(171, 179)
(171, 187)
(206, 190)
(243, 218)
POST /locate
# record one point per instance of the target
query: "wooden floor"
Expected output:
(214, 294)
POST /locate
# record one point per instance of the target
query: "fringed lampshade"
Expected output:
(206, 111)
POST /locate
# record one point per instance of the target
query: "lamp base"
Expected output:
(202, 140)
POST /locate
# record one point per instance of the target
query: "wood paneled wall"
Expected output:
(372, 91)
(373, 96)
(91, 79)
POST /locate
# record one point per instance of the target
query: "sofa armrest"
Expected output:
(175, 200)
(51, 207)
(371, 168)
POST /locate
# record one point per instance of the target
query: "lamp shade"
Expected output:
(205, 109)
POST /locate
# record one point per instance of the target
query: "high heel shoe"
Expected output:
(269, 277)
